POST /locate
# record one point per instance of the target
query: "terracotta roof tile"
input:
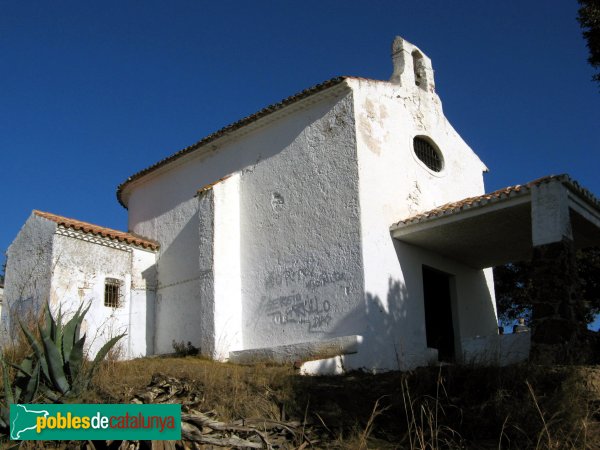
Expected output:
(232, 127)
(98, 230)
(209, 186)
(499, 195)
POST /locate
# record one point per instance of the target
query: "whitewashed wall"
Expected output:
(80, 269)
(28, 270)
(141, 333)
(394, 185)
(178, 290)
(221, 304)
(301, 258)
(163, 207)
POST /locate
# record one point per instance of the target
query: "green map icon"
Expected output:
(23, 420)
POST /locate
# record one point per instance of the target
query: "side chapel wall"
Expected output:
(28, 272)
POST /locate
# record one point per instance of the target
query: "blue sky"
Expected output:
(92, 92)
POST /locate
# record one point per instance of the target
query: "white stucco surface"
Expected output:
(395, 184)
(79, 272)
(301, 261)
(179, 279)
(219, 258)
(550, 214)
(80, 269)
(228, 333)
(28, 274)
(282, 217)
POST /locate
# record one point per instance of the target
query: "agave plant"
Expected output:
(23, 389)
(60, 353)
(56, 369)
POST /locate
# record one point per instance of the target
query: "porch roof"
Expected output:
(497, 228)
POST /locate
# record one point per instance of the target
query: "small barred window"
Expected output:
(428, 154)
(112, 292)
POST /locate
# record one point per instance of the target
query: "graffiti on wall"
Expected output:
(309, 311)
(308, 276)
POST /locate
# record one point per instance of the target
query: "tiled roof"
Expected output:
(499, 195)
(232, 127)
(98, 230)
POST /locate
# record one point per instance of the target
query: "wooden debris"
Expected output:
(201, 430)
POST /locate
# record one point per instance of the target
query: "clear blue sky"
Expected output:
(92, 92)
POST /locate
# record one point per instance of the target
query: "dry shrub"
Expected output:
(17, 347)
(232, 391)
(518, 407)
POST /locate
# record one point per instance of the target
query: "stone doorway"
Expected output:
(439, 325)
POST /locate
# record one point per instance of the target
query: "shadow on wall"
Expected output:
(393, 325)
(454, 301)
(26, 310)
(386, 328)
(150, 277)
(177, 295)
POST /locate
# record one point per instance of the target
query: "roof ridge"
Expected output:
(88, 227)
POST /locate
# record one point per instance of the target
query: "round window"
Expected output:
(428, 154)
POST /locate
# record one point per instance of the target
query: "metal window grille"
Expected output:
(428, 154)
(112, 292)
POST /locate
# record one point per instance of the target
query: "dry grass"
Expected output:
(430, 408)
(18, 348)
(520, 407)
(230, 390)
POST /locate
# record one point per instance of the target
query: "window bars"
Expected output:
(428, 154)
(112, 292)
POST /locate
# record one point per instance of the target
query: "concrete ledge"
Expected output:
(303, 351)
(497, 350)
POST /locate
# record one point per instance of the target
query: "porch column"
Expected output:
(558, 313)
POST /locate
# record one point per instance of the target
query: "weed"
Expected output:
(182, 349)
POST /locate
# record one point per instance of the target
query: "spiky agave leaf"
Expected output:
(8, 393)
(22, 377)
(55, 363)
(78, 327)
(24, 367)
(106, 348)
(76, 360)
(26, 382)
(58, 334)
(50, 323)
(71, 332)
(32, 386)
(37, 348)
(49, 393)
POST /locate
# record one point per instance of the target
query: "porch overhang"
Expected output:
(505, 225)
